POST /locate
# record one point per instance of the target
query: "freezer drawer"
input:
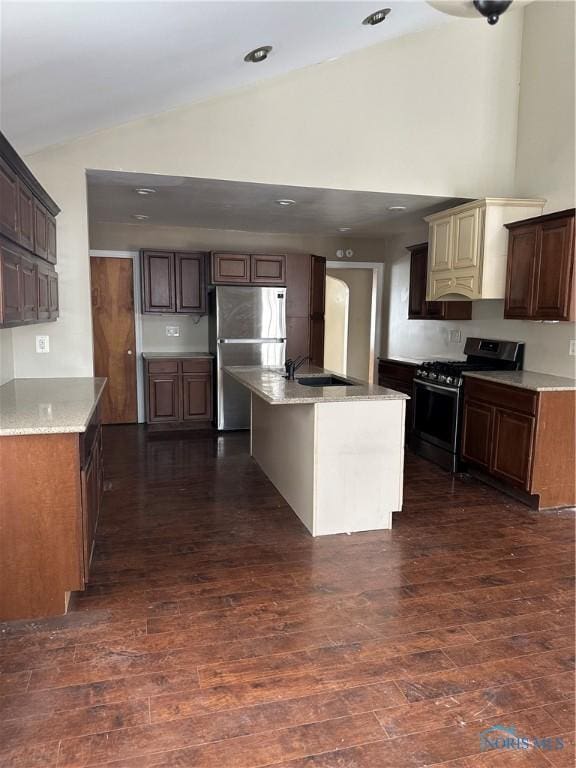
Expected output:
(233, 399)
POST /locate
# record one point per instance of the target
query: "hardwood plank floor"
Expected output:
(216, 633)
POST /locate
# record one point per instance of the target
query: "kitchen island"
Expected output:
(336, 453)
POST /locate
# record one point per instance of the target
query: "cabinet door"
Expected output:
(40, 230)
(197, 397)
(158, 283)
(29, 290)
(466, 239)
(267, 270)
(163, 397)
(230, 268)
(317, 308)
(54, 304)
(26, 216)
(51, 239)
(297, 336)
(417, 295)
(553, 279)
(512, 446)
(11, 286)
(90, 504)
(440, 251)
(191, 283)
(477, 432)
(522, 249)
(8, 201)
(43, 282)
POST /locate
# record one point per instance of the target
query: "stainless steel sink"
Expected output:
(324, 381)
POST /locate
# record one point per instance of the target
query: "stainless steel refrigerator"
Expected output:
(247, 327)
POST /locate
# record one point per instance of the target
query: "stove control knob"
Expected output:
(424, 374)
(432, 376)
(441, 377)
(449, 380)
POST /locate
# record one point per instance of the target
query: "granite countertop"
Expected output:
(48, 406)
(174, 355)
(537, 382)
(271, 386)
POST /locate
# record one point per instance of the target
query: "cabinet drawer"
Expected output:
(396, 371)
(514, 398)
(162, 366)
(197, 365)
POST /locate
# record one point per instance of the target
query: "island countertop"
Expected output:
(48, 406)
(532, 380)
(271, 386)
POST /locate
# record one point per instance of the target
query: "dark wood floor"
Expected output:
(217, 633)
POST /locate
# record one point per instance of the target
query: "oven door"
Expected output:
(436, 414)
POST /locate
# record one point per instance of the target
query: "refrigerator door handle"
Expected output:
(251, 341)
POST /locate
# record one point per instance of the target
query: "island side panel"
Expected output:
(282, 439)
(40, 525)
(359, 465)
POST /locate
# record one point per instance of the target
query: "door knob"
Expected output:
(129, 351)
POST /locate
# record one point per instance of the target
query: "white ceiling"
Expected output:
(73, 68)
(244, 206)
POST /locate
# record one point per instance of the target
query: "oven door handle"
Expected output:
(433, 387)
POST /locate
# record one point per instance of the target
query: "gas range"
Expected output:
(438, 394)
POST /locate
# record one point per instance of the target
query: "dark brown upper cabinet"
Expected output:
(26, 217)
(173, 283)
(8, 201)
(248, 269)
(541, 275)
(418, 307)
(40, 229)
(317, 309)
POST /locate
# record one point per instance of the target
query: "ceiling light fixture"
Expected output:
(258, 54)
(145, 190)
(140, 216)
(396, 207)
(490, 9)
(377, 17)
(285, 202)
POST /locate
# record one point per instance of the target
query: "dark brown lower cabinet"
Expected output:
(92, 484)
(523, 439)
(179, 390)
(398, 375)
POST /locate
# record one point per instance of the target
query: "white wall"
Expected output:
(546, 144)
(430, 113)
(6, 356)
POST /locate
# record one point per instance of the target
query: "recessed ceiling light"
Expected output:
(144, 191)
(344, 229)
(140, 216)
(258, 54)
(285, 202)
(396, 207)
(377, 17)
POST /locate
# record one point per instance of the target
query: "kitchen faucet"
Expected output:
(292, 366)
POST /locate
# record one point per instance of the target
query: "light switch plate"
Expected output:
(42, 344)
(572, 347)
(455, 336)
(172, 330)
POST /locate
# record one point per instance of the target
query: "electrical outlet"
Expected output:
(172, 330)
(572, 350)
(454, 336)
(42, 344)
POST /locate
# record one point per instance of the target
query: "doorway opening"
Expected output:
(357, 287)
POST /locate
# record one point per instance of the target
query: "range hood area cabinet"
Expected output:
(468, 248)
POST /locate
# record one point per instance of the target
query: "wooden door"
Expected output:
(11, 300)
(196, 397)
(267, 270)
(231, 268)
(441, 244)
(8, 201)
(553, 279)
(40, 230)
(417, 293)
(512, 447)
(29, 287)
(191, 283)
(26, 216)
(317, 309)
(158, 282)
(163, 397)
(114, 337)
(477, 433)
(522, 248)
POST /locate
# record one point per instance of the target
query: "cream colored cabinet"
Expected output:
(468, 248)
